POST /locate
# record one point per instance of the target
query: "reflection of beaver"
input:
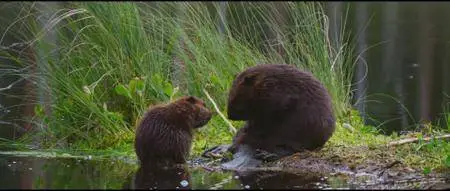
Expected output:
(287, 110)
(158, 177)
(165, 132)
(277, 180)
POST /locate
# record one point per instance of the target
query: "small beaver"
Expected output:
(165, 132)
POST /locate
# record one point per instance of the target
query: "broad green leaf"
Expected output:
(136, 85)
(168, 90)
(122, 90)
(132, 86)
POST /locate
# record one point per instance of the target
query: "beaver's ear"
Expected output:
(191, 99)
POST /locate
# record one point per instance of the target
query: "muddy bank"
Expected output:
(379, 172)
(358, 167)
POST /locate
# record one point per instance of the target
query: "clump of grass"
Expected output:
(312, 50)
(108, 62)
(364, 145)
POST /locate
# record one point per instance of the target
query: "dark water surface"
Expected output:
(20, 172)
(25, 172)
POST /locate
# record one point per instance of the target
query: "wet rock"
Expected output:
(243, 158)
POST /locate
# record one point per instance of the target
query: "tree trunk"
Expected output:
(335, 17)
(179, 66)
(362, 20)
(391, 65)
(279, 13)
(425, 61)
(222, 11)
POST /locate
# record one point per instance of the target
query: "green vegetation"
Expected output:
(77, 175)
(363, 145)
(108, 70)
(107, 62)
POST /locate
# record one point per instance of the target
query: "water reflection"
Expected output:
(154, 177)
(61, 173)
(9, 178)
(73, 173)
(278, 180)
(179, 177)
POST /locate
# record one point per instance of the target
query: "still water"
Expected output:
(25, 172)
(20, 172)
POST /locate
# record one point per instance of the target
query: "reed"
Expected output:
(108, 61)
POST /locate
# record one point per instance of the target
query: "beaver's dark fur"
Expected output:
(286, 109)
(165, 132)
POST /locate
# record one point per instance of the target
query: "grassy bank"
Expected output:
(356, 144)
(100, 65)
(102, 72)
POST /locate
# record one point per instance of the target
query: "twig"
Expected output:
(232, 129)
(411, 140)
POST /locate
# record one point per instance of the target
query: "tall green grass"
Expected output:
(111, 60)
